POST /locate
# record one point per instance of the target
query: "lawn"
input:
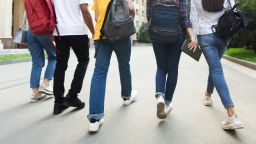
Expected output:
(14, 56)
(242, 53)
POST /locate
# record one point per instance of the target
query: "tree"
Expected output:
(247, 38)
(144, 35)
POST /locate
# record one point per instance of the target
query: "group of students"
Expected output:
(72, 15)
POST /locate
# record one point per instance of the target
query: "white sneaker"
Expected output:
(232, 123)
(207, 101)
(132, 99)
(160, 108)
(94, 126)
(167, 108)
(35, 98)
(48, 90)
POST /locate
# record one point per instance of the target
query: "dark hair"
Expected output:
(213, 5)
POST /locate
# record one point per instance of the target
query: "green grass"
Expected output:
(14, 56)
(242, 53)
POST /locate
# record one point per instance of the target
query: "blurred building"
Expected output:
(11, 14)
(12, 11)
(140, 17)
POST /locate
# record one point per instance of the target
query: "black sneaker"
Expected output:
(75, 102)
(59, 108)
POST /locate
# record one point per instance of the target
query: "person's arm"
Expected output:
(87, 17)
(194, 17)
(185, 18)
(185, 21)
(95, 9)
(131, 7)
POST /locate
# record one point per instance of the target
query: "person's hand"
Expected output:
(193, 45)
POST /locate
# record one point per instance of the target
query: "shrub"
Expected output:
(143, 35)
(247, 38)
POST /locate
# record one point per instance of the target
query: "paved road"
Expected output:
(190, 122)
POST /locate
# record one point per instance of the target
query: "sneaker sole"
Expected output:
(207, 104)
(128, 103)
(46, 92)
(72, 105)
(240, 126)
(160, 111)
(38, 99)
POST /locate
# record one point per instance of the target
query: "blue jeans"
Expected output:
(104, 49)
(36, 46)
(213, 49)
(167, 59)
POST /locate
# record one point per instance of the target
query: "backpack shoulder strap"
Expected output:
(105, 18)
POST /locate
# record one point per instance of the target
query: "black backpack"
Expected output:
(230, 23)
(118, 23)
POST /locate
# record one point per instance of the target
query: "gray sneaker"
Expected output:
(37, 97)
(46, 90)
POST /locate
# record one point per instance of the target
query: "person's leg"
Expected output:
(98, 82)
(211, 52)
(61, 66)
(174, 53)
(123, 53)
(213, 49)
(210, 85)
(80, 46)
(48, 46)
(161, 55)
(37, 53)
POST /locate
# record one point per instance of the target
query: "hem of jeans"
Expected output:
(209, 92)
(59, 100)
(34, 87)
(167, 102)
(228, 106)
(159, 94)
(48, 78)
(95, 116)
(125, 97)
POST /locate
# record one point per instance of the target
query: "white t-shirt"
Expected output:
(69, 17)
(202, 20)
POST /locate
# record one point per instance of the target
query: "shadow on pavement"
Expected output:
(234, 135)
(71, 112)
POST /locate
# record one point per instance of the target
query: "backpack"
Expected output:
(41, 16)
(230, 23)
(118, 23)
(165, 23)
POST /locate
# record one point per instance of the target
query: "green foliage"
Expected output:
(143, 35)
(247, 38)
(242, 53)
(13, 56)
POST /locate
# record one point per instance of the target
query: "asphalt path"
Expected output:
(190, 122)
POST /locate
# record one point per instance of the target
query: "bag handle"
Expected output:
(105, 18)
(24, 20)
(233, 7)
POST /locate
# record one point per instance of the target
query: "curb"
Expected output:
(5, 62)
(241, 62)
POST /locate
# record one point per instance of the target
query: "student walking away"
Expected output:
(208, 12)
(38, 44)
(104, 47)
(71, 16)
(168, 25)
